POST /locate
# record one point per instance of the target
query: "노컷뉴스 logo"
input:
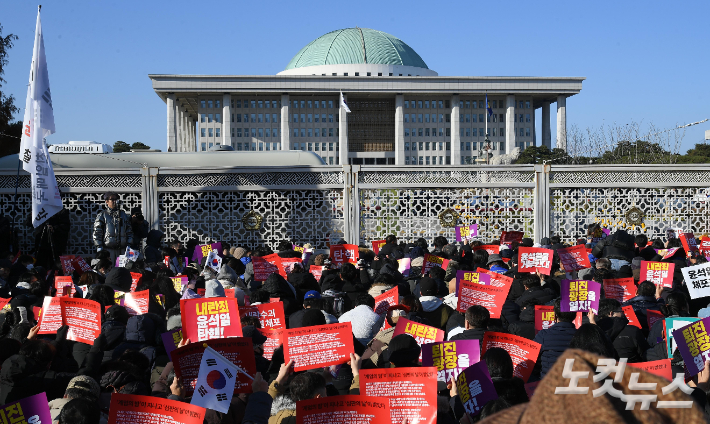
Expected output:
(605, 367)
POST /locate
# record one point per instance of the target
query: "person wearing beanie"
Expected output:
(403, 351)
(434, 310)
(365, 322)
(79, 387)
(496, 264)
(213, 288)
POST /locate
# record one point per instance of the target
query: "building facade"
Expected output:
(401, 112)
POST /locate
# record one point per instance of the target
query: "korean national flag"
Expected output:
(131, 254)
(215, 382)
(214, 261)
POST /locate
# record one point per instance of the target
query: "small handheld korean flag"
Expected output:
(343, 104)
(213, 261)
(131, 254)
(215, 382)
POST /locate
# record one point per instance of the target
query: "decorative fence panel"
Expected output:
(320, 205)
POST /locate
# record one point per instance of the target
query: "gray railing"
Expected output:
(320, 205)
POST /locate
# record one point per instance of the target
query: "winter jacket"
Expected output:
(112, 229)
(435, 311)
(525, 327)
(470, 334)
(554, 341)
(619, 245)
(641, 304)
(55, 408)
(364, 321)
(21, 377)
(283, 408)
(140, 335)
(258, 409)
(303, 282)
(289, 254)
(295, 320)
(627, 339)
(152, 251)
(140, 230)
(540, 294)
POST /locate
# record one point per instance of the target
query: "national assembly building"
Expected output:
(401, 112)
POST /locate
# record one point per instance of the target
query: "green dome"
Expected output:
(356, 46)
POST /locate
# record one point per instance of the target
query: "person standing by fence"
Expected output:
(112, 227)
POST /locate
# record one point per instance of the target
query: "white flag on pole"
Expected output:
(342, 103)
(215, 382)
(37, 124)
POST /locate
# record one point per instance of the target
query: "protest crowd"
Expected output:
(433, 331)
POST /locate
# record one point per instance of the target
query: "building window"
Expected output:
(527, 117)
(217, 132)
(303, 117)
(202, 117)
(232, 132)
(421, 132)
(239, 132)
(406, 160)
(303, 132)
(267, 118)
(209, 117)
(426, 132)
(527, 132)
(209, 104)
(267, 132)
(310, 132)
(202, 132)
(494, 132)
(419, 104)
(260, 117)
(527, 104)
(253, 117)
(209, 132)
(406, 146)
(330, 147)
(295, 132)
(406, 132)
(317, 132)
(202, 103)
(330, 132)
(448, 132)
(468, 132)
(218, 104)
(427, 160)
(218, 117)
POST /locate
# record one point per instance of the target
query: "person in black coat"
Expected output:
(555, 340)
(647, 297)
(389, 248)
(152, 247)
(353, 286)
(476, 325)
(619, 248)
(51, 238)
(628, 340)
(285, 250)
(302, 281)
(534, 290)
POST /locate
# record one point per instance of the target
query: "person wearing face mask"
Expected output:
(112, 228)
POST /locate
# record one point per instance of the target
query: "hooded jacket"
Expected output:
(435, 311)
(283, 408)
(303, 282)
(627, 339)
(619, 245)
(140, 335)
(540, 294)
(21, 377)
(112, 229)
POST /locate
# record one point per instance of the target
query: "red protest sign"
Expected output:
(385, 300)
(430, 261)
(657, 272)
(574, 258)
(4, 303)
(377, 245)
(276, 260)
(83, 316)
(531, 259)
(61, 282)
(522, 351)
(497, 280)
(508, 237)
(661, 368)
(79, 264)
(343, 253)
(544, 317)
(631, 316)
(274, 339)
(421, 333)
(653, 316)
(318, 346)
(412, 392)
(621, 289)
(212, 318)
(287, 265)
(705, 245)
(345, 409)
(271, 315)
(67, 267)
(51, 317)
(135, 277)
(263, 268)
(316, 271)
(130, 409)
(238, 350)
(490, 297)
(136, 303)
(689, 243)
(492, 249)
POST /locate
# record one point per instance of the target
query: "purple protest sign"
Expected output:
(171, 339)
(694, 345)
(579, 296)
(475, 388)
(466, 232)
(472, 276)
(450, 358)
(203, 250)
(33, 409)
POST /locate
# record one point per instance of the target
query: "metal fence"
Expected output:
(320, 205)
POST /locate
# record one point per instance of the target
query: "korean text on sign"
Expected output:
(694, 345)
(532, 259)
(658, 272)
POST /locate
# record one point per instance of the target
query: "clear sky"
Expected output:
(644, 61)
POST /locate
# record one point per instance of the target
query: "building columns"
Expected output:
(285, 127)
(399, 129)
(170, 101)
(227, 119)
(455, 130)
(562, 122)
(546, 133)
(343, 132)
(510, 123)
